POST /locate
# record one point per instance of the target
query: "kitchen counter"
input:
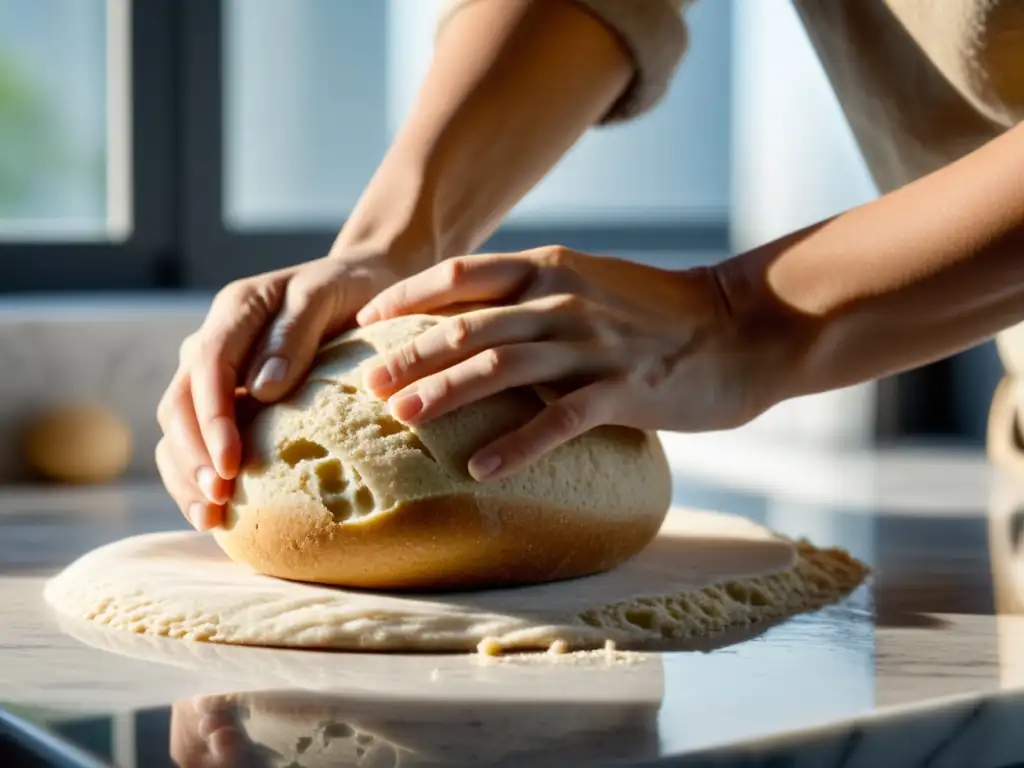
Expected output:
(923, 665)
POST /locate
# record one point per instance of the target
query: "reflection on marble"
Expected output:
(922, 666)
(285, 728)
(310, 729)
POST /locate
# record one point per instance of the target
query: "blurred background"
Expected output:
(152, 151)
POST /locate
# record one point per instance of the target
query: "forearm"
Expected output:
(511, 87)
(917, 275)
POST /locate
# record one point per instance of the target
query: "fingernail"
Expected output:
(378, 377)
(206, 479)
(484, 466)
(367, 315)
(197, 515)
(273, 371)
(406, 406)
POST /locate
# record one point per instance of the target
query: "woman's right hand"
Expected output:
(261, 333)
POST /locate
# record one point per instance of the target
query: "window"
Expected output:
(281, 146)
(185, 143)
(169, 144)
(85, 149)
(55, 159)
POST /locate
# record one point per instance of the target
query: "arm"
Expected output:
(917, 275)
(511, 87)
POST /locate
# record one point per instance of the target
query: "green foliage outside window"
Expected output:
(28, 141)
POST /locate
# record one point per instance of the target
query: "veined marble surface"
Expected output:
(924, 665)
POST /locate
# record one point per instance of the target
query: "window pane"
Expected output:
(54, 120)
(316, 88)
(670, 165)
(305, 108)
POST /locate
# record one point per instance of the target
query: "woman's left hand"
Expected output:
(622, 343)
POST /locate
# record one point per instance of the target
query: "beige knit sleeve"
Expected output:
(653, 31)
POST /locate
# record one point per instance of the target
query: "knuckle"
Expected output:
(555, 274)
(308, 289)
(455, 270)
(187, 348)
(569, 302)
(160, 454)
(168, 404)
(609, 335)
(237, 293)
(557, 256)
(457, 332)
(565, 418)
(406, 358)
(163, 412)
(211, 347)
(164, 459)
(245, 300)
(494, 361)
(437, 389)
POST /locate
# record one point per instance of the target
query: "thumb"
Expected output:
(316, 304)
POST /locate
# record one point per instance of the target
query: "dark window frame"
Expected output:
(213, 255)
(145, 258)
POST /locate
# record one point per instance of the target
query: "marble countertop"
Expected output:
(923, 665)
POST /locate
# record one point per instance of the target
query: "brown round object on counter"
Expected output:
(334, 490)
(84, 444)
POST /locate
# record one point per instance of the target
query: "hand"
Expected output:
(622, 343)
(261, 333)
(209, 732)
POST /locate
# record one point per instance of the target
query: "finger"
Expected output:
(460, 337)
(480, 278)
(485, 374)
(213, 720)
(559, 422)
(226, 743)
(200, 514)
(165, 408)
(185, 440)
(314, 303)
(213, 387)
(233, 325)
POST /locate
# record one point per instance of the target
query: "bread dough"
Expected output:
(334, 490)
(705, 572)
(85, 444)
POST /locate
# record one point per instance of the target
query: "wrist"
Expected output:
(392, 223)
(774, 340)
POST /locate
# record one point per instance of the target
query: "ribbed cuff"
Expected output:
(655, 34)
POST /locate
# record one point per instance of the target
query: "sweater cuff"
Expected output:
(655, 34)
(653, 31)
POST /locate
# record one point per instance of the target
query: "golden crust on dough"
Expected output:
(454, 542)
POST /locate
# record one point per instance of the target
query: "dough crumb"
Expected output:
(558, 648)
(602, 657)
(489, 646)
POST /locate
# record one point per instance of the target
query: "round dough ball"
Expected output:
(335, 490)
(84, 444)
